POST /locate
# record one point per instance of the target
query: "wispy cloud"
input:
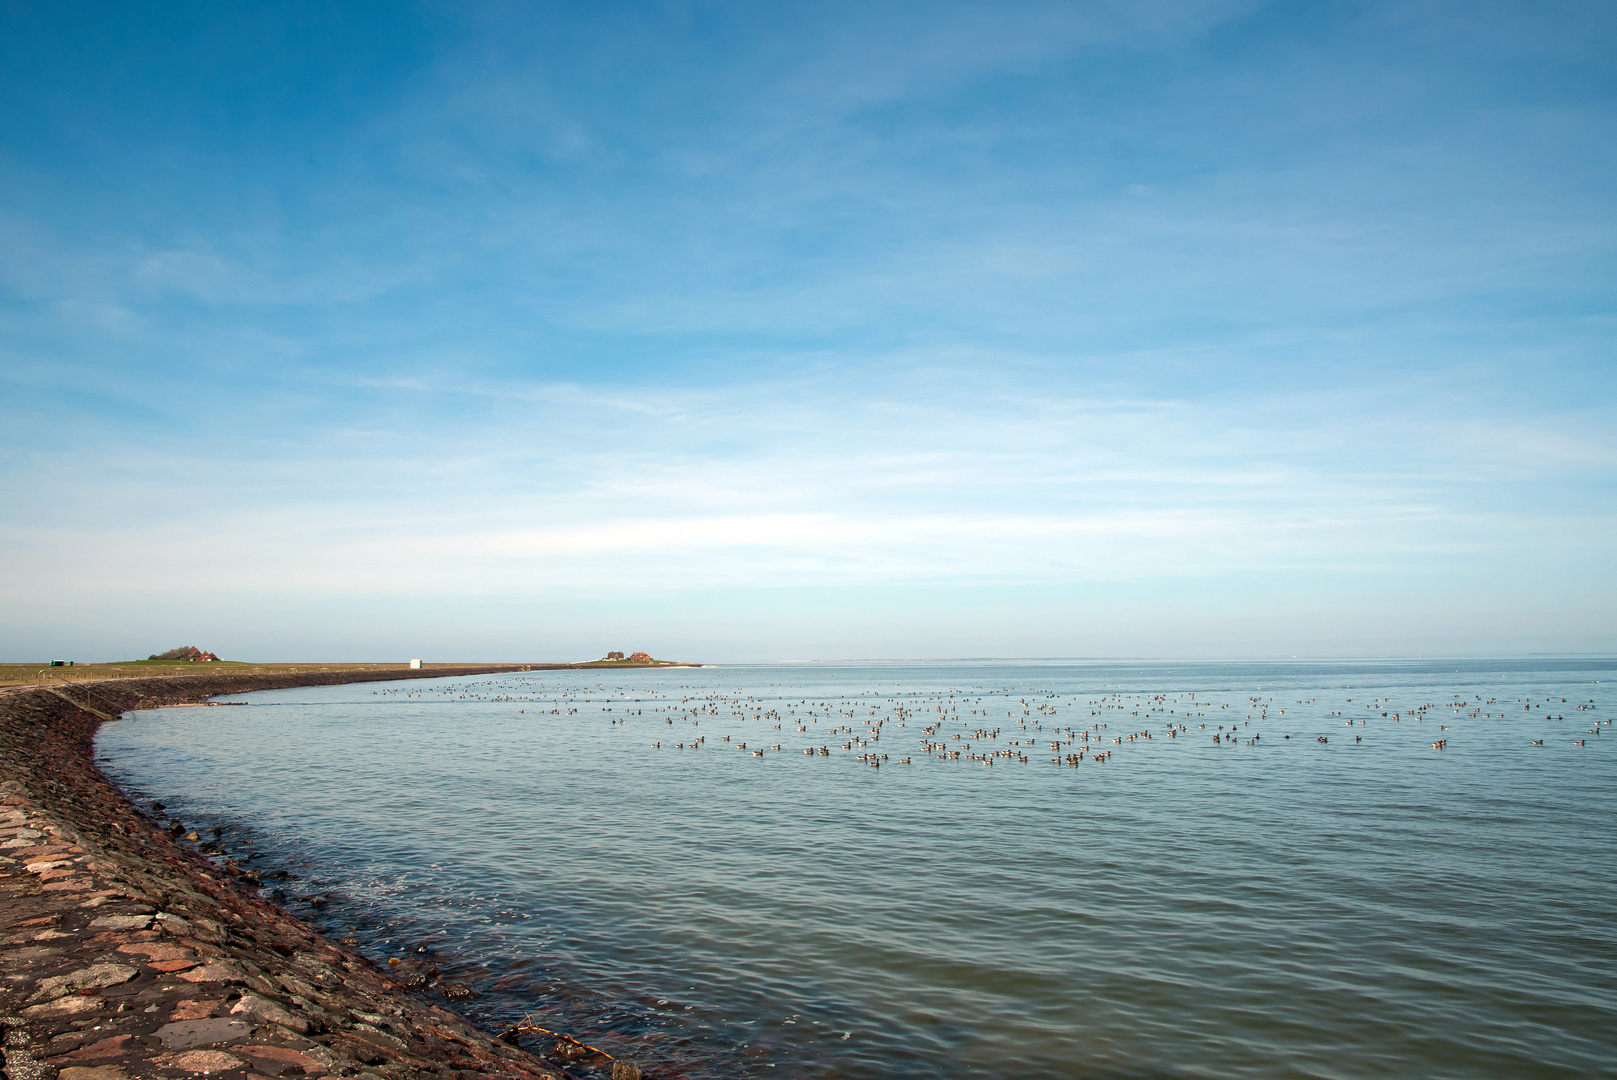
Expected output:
(570, 309)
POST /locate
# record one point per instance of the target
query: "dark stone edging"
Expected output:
(81, 995)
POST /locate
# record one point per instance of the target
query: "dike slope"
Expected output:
(125, 954)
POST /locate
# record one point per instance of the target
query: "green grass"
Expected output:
(41, 671)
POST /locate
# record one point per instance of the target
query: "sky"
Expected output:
(740, 332)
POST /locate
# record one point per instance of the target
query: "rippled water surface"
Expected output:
(1201, 903)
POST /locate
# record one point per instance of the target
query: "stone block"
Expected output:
(211, 1031)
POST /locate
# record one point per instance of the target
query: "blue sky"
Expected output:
(742, 332)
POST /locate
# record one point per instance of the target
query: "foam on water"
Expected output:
(1272, 907)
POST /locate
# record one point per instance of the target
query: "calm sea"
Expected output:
(1272, 872)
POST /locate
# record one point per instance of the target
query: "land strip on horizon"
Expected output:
(42, 674)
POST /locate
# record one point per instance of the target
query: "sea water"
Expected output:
(1272, 871)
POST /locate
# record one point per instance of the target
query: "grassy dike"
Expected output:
(41, 673)
(125, 954)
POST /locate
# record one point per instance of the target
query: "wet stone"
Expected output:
(376, 1038)
(277, 1060)
(199, 1061)
(167, 966)
(221, 971)
(155, 950)
(269, 1012)
(105, 1048)
(185, 1034)
(194, 1008)
(21, 1065)
(72, 1005)
(569, 1051)
(98, 1072)
(42, 865)
(30, 955)
(94, 977)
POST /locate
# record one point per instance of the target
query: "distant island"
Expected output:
(638, 658)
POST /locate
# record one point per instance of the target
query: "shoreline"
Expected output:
(127, 954)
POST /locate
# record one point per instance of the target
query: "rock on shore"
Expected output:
(124, 954)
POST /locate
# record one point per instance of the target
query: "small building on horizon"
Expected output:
(415, 665)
